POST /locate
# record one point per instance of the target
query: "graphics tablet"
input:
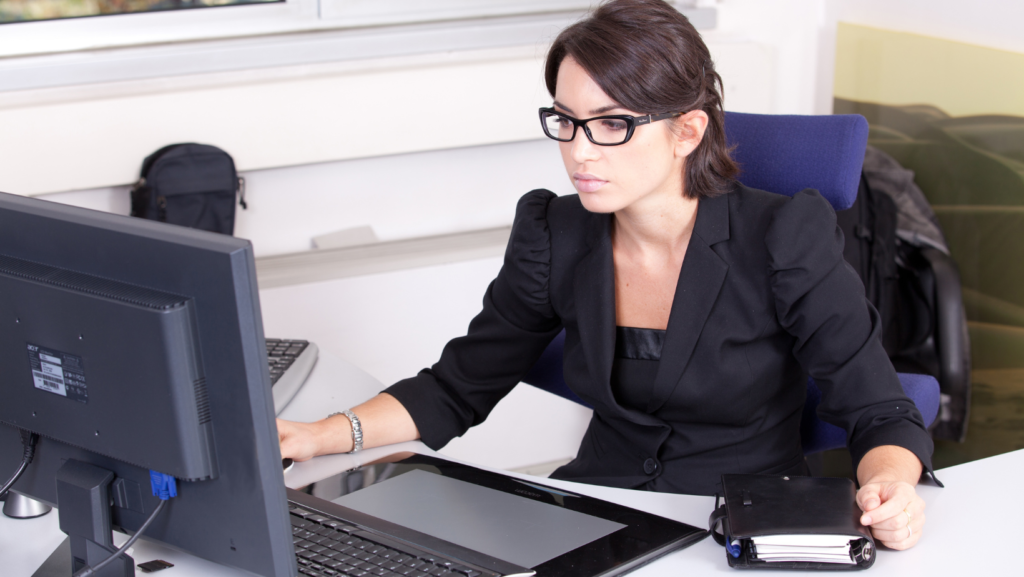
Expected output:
(474, 515)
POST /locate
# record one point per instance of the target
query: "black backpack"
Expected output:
(913, 283)
(193, 185)
(870, 230)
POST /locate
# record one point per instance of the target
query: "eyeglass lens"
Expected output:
(602, 130)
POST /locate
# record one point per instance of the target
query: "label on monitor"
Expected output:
(58, 373)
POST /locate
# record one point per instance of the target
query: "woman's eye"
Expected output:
(563, 121)
(613, 124)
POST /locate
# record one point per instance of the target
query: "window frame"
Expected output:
(390, 12)
(246, 20)
(152, 45)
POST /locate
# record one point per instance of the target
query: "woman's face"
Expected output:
(610, 178)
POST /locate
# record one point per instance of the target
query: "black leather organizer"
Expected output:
(812, 517)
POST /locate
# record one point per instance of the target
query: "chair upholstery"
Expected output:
(817, 435)
(785, 154)
(547, 372)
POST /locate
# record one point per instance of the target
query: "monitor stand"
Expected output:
(18, 506)
(58, 564)
(83, 509)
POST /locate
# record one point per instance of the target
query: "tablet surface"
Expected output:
(528, 524)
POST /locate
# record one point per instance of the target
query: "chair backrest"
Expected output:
(546, 373)
(785, 154)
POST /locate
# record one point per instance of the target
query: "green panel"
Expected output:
(894, 67)
(996, 346)
(971, 161)
(987, 243)
(985, 309)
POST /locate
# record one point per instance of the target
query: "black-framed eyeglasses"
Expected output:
(601, 130)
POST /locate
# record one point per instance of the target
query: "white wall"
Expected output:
(267, 118)
(400, 196)
(294, 117)
(785, 29)
(991, 23)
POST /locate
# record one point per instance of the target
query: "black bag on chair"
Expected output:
(894, 242)
(193, 185)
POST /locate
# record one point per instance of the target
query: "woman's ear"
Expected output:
(689, 131)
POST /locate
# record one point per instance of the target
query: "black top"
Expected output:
(637, 352)
(764, 299)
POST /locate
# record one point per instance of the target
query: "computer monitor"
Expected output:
(128, 346)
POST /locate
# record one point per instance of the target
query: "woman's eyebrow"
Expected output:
(604, 109)
(594, 112)
(558, 104)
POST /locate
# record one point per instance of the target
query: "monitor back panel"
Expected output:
(239, 517)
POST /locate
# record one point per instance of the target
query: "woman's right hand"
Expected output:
(303, 441)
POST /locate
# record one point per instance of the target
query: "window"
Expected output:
(33, 27)
(33, 10)
(373, 12)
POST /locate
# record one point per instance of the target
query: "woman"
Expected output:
(694, 307)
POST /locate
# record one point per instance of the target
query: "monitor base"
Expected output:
(18, 506)
(58, 564)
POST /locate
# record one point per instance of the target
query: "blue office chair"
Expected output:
(785, 154)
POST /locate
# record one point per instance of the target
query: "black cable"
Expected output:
(87, 571)
(14, 479)
(28, 441)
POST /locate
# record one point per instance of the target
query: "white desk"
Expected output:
(959, 538)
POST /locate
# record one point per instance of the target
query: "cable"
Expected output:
(87, 571)
(28, 441)
(14, 479)
(164, 486)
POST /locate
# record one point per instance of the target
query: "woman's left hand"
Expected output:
(893, 511)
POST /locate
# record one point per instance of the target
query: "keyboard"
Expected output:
(326, 546)
(290, 363)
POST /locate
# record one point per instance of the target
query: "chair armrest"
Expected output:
(817, 435)
(924, 391)
(952, 339)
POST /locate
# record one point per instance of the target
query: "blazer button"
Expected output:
(650, 466)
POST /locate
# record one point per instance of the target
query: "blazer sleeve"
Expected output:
(503, 341)
(820, 300)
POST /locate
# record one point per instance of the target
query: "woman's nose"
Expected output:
(582, 149)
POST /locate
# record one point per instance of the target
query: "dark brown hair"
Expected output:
(647, 57)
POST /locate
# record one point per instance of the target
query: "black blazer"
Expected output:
(764, 298)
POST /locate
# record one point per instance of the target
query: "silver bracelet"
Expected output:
(357, 429)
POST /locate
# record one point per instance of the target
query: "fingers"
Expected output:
(903, 537)
(868, 499)
(894, 512)
(889, 500)
(914, 511)
(297, 440)
(290, 448)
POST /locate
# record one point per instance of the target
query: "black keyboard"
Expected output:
(281, 354)
(290, 362)
(328, 547)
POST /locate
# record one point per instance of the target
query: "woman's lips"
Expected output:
(587, 182)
